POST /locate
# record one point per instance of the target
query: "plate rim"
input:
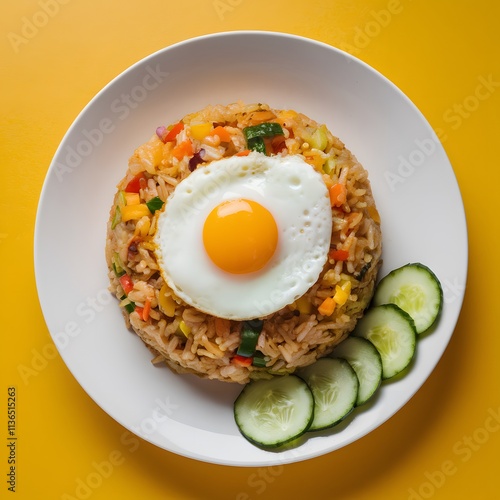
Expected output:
(197, 39)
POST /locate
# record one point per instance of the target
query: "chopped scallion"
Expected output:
(117, 265)
(117, 218)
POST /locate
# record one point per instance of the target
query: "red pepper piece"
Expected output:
(126, 283)
(242, 360)
(134, 185)
(173, 132)
(338, 255)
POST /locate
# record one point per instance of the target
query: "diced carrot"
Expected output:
(139, 311)
(241, 360)
(146, 310)
(222, 132)
(222, 327)
(327, 307)
(134, 184)
(338, 194)
(338, 255)
(126, 283)
(245, 152)
(173, 132)
(185, 148)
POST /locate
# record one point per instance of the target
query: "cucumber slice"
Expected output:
(272, 412)
(364, 358)
(392, 331)
(416, 290)
(334, 385)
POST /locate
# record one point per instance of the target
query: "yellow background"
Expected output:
(445, 443)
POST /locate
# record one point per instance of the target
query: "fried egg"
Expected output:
(244, 236)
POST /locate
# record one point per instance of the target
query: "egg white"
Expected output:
(296, 196)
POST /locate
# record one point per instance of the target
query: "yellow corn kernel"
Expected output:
(133, 212)
(327, 307)
(142, 226)
(330, 277)
(342, 293)
(314, 159)
(346, 286)
(149, 245)
(147, 157)
(287, 114)
(132, 198)
(328, 181)
(373, 213)
(167, 303)
(200, 131)
(185, 329)
(157, 152)
(303, 305)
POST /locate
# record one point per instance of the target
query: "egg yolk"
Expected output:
(240, 236)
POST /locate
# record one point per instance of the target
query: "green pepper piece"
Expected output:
(250, 332)
(262, 130)
(259, 360)
(130, 306)
(154, 204)
(257, 144)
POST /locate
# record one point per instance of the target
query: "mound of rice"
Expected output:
(188, 340)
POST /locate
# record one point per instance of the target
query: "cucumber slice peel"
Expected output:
(416, 290)
(392, 331)
(334, 385)
(272, 412)
(364, 358)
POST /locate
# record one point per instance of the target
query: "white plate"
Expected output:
(413, 182)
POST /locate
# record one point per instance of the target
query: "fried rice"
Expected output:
(190, 341)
